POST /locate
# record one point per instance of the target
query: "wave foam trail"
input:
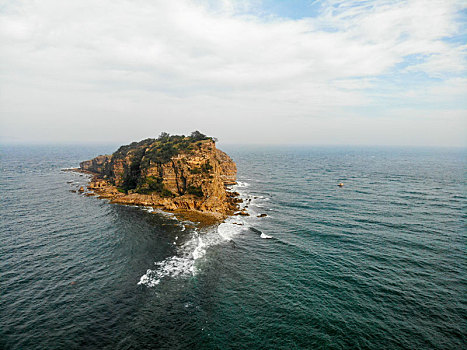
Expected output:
(170, 267)
(184, 263)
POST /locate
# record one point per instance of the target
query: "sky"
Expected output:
(331, 72)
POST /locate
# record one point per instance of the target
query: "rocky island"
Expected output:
(182, 174)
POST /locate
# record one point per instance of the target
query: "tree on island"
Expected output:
(164, 137)
(194, 137)
(197, 136)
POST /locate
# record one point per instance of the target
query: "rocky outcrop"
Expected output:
(228, 168)
(95, 165)
(193, 177)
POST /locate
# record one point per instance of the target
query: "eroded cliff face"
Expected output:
(95, 165)
(195, 178)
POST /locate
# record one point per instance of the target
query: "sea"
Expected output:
(379, 263)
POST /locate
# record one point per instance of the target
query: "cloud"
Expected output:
(218, 61)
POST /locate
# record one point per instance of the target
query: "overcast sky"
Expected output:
(382, 72)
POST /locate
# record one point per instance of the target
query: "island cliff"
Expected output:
(174, 173)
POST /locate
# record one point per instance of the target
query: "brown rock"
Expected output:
(95, 165)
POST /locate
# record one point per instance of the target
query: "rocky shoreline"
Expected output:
(102, 189)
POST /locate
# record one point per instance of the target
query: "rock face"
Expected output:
(95, 165)
(172, 173)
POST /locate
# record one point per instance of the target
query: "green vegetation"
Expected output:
(153, 184)
(197, 136)
(196, 190)
(132, 172)
(195, 171)
(206, 167)
(124, 150)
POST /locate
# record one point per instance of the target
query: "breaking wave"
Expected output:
(189, 253)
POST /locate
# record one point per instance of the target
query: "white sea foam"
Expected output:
(229, 229)
(184, 263)
(265, 236)
(160, 212)
(170, 267)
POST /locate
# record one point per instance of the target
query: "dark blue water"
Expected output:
(378, 264)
